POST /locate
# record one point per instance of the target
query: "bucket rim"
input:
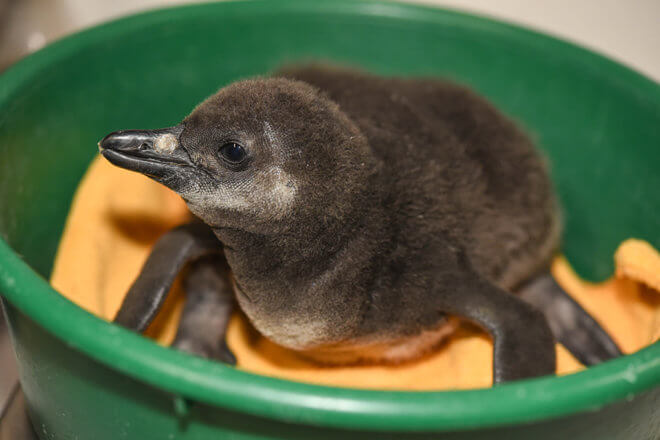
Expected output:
(212, 383)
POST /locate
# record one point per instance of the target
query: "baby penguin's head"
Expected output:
(258, 155)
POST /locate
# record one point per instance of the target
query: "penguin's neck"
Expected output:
(302, 252)
(287, 258)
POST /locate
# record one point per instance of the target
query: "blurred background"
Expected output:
(629, 32)
(626, 31)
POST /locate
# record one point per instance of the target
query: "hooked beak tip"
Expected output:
(151, 152)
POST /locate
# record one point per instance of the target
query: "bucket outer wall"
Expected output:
(72, 396)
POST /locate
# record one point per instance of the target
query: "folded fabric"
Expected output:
(116, 217)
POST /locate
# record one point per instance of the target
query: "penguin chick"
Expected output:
(356, 213)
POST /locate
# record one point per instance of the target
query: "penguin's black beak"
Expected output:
(156, 153)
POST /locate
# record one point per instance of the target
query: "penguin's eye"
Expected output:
(233, 152)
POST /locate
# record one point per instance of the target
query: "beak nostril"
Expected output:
(144, 146)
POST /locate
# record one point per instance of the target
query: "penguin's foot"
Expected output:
(571, 325)
(219, 351)
(209, 303)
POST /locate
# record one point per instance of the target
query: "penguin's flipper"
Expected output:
(169, 255)
(209, 303)
(524, 346)
(570, 323)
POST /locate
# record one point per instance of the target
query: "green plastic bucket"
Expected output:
(86, 379)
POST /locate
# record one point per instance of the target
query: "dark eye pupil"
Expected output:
(233, 152)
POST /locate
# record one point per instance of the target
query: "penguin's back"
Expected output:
(456, 167)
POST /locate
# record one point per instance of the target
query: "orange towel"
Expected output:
(116, 216)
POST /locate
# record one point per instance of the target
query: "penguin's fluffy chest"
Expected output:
(306, 331)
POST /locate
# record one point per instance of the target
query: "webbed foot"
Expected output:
(578, 331)
(209, 303)
(219, 351)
